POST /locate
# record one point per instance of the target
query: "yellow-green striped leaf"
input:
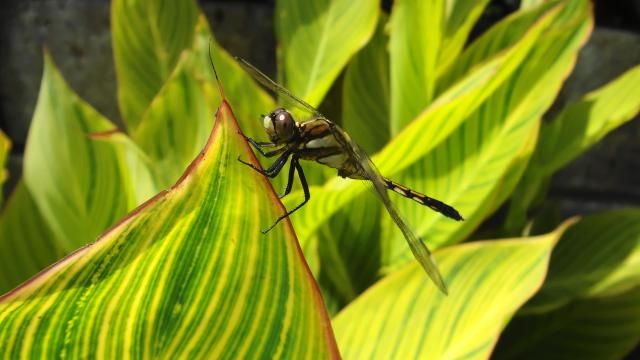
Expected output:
(27, 243)
(417, 30)
(466, 169)
(365, 93)
(599, 256)
(246, 97)
(148, 37)
(186, 275)
(90, 182)
(514, 172)
(176, 124)
(404, 316)
(317, 38)
(582, 124)
(574, 130)
(80, 185)
(461, 15)
(595, 328)
(464, 90)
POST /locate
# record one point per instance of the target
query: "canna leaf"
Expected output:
(247, 98)
(89, 183)
(417, 29)
(578, 126)
(466, 87)
(461, 15)
(488, 281)
(176, 125)
(582, 124)
(187, 274)
(148, 37)
(466, 170)
(317, 38)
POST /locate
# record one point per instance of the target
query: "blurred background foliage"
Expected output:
(464, 111)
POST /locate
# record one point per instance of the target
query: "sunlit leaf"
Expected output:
(93, 176)
(176, 124)
(148, 37)
(89, 183)
(461, 15)
(466, 169)
(417, 28)
(574, 130)
(246, 97)
(404, 316)
(317, 38)
(187, 274)
(582, 124)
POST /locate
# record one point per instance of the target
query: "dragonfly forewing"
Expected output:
(263, 79)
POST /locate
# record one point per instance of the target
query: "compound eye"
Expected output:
(284, 124)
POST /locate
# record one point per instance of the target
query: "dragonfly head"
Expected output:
(280, 126)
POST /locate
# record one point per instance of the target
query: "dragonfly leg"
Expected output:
(305, 189)
(258, 145)
(292, 172)
(274, 169)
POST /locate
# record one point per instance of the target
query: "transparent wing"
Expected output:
(419, 249)
(275, 87)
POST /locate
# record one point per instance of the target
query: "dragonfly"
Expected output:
(323, 141)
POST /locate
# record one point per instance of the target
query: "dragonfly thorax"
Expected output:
(280, 126)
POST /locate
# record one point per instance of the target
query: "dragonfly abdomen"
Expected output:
(423, 199)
